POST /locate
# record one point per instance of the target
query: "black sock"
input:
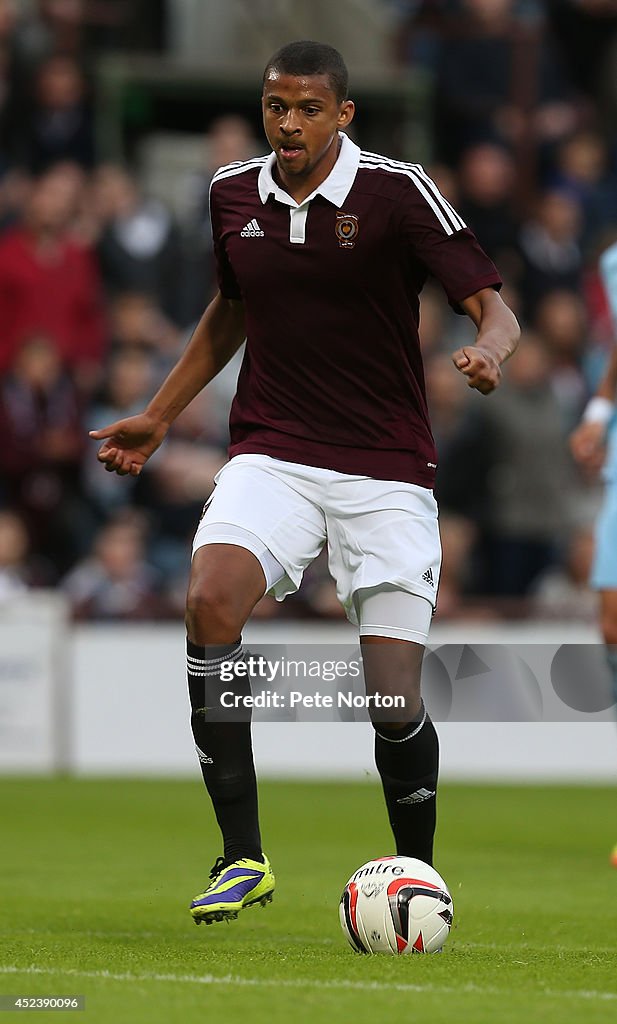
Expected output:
(408, 762)
(224, 749)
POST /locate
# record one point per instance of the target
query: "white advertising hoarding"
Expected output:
(34, 684)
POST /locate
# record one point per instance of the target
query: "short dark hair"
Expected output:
(308, 58)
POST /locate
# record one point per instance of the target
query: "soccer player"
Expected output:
(595, 441)
(321, 251)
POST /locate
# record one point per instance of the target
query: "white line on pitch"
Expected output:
(339, 983)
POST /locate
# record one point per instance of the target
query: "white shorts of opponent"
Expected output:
(383, 542)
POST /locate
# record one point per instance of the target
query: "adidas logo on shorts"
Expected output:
(428, 577)
(252, 230)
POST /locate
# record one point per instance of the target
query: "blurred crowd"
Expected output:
(101, 284)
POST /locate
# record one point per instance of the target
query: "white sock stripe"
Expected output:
(236, 653)
(213, 673)
(196, 670)
(211, 667)
(212, 670)
(389, 739)
(206, 666)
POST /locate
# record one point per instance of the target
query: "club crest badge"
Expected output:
(346, 228)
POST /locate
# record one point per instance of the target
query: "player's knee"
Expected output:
(211, 616)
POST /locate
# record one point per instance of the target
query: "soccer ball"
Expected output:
(396, 905)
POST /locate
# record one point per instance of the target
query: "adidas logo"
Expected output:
(251, 230)
(204, 758)
(418, 797)
(428, 577)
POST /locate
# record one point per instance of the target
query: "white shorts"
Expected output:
(378, 532)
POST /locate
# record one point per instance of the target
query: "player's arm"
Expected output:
(588, 440)
(498, 336)
(128, 443)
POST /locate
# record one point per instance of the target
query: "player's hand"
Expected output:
(479, 366)
(588, 443)
(128, 444)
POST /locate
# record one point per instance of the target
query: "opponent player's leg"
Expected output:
(406, 743)
(608, 622)
(226, 583)
(603, 577)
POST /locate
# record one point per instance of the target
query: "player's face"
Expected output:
(302, 118)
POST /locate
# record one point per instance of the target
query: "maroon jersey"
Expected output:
(332, 375)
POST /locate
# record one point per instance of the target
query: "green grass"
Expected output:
(95, 877)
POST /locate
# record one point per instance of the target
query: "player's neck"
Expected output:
(300, 186)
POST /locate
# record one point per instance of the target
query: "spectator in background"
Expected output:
(433, 319)
(563, 592)
(583, 169)
(15, 188)
(550, 248)
(48, 28)
(447, 182)
(42, 446)
(82, 225)
(19, 572)
(532, 482)
(79, 26)
(8, 20)
(116, 582)
(60, 123)
(55, 26)
(175, 482)
(139, 247)
(50, 284)
(463, 439)
(459, 539)
(128, 380)
(585, 31)
(495, 83)
(228, 138)
(138, 323)
(561, 323)
(487, 175)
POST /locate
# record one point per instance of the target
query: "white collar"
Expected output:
(335, 187)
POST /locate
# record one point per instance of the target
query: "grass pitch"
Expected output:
(96, 876)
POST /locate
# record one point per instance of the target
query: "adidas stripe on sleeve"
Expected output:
(434, 231)
(444, 212)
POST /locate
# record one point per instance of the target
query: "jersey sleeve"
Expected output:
(227, 282)
(441, 240)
